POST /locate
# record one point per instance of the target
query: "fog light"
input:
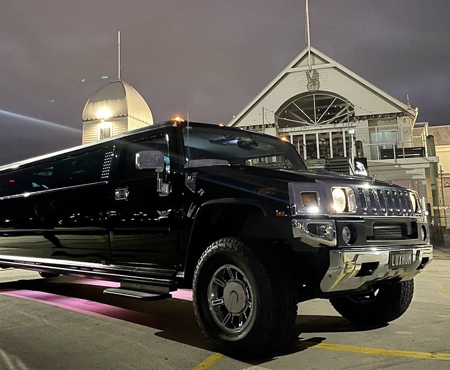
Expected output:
(348, 234)
(424, 233)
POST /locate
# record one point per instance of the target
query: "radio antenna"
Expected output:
(188, 129)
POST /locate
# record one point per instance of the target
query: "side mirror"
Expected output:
(149, 160)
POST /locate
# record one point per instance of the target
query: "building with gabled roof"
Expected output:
(334, 116)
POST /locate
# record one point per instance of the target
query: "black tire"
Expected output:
(48, 275)
(272, 320)
(389, 304)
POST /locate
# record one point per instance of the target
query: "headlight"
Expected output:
(339, 199)
(413, 199)
(344, 200)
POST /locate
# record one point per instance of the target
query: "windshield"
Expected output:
(240, 147)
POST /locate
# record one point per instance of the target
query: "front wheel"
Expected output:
(385, 304)
(244, 301)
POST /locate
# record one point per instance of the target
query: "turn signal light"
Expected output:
(309, 199)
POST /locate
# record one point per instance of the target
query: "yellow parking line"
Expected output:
(438, 276)
(378, 351)
(209, 362)
(446, 290)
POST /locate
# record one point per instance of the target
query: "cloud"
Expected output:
(214, 56)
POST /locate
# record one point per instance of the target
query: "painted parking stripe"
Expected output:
(446, 290)
(435, 276)
(377, 351)
(209, 362)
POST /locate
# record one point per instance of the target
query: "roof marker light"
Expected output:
(177, 118)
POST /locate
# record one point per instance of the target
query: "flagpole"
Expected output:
(119, 66)
(308, 33)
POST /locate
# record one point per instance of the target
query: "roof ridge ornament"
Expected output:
(313, 80)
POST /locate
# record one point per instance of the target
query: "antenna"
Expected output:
(119, 65)
(188, 128)
(407, 99)
(308, 35)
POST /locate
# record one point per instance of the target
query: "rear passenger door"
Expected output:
(145, 224)
(71, 218)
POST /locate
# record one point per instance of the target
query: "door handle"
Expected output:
(121, 194)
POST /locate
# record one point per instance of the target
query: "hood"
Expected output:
(304, 175)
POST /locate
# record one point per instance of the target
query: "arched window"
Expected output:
(315, 108)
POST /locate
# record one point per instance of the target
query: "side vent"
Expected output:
(107, 164)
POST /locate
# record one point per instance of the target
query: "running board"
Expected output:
(146, 296)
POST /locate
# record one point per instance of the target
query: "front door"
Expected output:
(145, 223)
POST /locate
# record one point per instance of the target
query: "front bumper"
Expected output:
(351, 268)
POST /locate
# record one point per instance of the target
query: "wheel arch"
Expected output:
(228, 217)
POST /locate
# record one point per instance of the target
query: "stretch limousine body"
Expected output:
(236, 216)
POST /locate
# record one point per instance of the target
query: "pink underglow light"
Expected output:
(185, 295)
(92, 307)
(105, 283)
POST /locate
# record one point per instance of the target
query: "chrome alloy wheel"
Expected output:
(231, 299)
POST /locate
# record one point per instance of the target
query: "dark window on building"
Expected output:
(104, 132)
(316, 108)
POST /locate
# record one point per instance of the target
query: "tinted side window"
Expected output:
(158, 143)
(83, 169)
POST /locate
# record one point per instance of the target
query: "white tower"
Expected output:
(114, 109)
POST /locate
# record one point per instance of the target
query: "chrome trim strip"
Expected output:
(300, 230)
(77, 272)
(347, 262)
(29, 194)
(54, 263)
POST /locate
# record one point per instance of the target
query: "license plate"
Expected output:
(398, 259)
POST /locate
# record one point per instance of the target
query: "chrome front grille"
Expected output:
(384, 201)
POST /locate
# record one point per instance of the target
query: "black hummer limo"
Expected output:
(234, 215)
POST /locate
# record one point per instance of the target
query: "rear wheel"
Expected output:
(48, 275)
(244, 301)
(385, 304)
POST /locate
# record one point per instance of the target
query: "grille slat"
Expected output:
(384, 201)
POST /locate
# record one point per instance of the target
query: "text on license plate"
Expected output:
(399, 259)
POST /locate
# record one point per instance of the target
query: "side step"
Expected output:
(146, 296)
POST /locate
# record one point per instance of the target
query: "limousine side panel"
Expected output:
(17, 221)
(71, 223)
(57, 209)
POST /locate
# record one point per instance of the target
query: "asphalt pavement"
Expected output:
(68, 323)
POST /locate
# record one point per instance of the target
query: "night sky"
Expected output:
(213, 56)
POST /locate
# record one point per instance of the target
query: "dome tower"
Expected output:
(112, 110)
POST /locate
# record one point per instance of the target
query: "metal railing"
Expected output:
(398, 149)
